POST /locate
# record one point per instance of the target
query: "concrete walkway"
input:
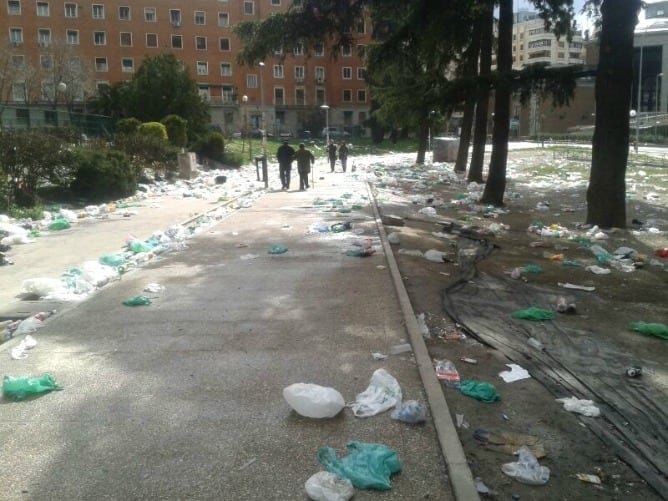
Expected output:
(182, 399)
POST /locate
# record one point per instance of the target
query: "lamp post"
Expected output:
(264, 127)
(633, 114)
(658, 90)
(639, 107)
(61, 87)
(326, 108)
(244, 99)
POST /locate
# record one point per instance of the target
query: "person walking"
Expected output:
(305, 160)
(285, 155)
(331, 154)
(343, 155)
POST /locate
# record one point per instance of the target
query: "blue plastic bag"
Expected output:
(368, 466)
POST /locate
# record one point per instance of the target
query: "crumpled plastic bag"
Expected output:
(485, 392)
(327, 486)
(382, 394)
(649, 329)
(584, 407)
(410, 411)
(18, 388)
(40, 287)
(534, 313)
(527, 469)
(313, 401)
(277, 249)
(368, 466)
(435, 256)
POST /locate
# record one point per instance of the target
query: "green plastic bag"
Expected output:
(136, 246)
(361, 252)
(368, 466)
(18, 388)
(339, 227)
(137, 301)
(485, 392)
(112, 260)
(532, 268)
(656, 330)
(59, 224)
(277, 249)
(533, 314)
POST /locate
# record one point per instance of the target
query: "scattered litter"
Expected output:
(650, 329)
(532, 341)
(246, 257)
(428, 211)
(137, 301)
(461, 422)
(401, 348)
(361, 252)
(368, 466)
(436, 256)
(393, 238)
(247, 464)
(577, 287)
(484, 392)
(508, 442)
(154, 288)
(516, 373)
(447, 372)
(21, 387)
(584, 407)
(378, 356)
(277, 249)
(481, 487)
(327, 486)
(527, 469)
(533, 313)
(314, 401)
(382, 394)
(564, 306)
(411, 252)
(410, 411)
(588, 477)
(634, 371)
(472, 361)
(422, 325)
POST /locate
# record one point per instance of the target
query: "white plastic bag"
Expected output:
(314, 401)
(422, 325)
(41, 287)
(411, 411)
(526, 469)
(394, 238)
(435, 256)
(326, 486)
(584, 407)
(382, 394)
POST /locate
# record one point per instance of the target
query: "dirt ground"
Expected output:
(547, 188)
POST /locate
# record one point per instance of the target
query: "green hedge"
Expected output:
(103, 175)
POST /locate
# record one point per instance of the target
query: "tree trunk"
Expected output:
(482, 94)
(423, 137)
(496, 179)
(606, 194)
(470, 70)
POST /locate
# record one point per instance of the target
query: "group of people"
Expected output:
(286, 154)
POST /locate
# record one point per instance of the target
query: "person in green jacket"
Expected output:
(304, 160)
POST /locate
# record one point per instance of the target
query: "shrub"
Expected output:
(103, 175)
(147, 152)
(153, 129)
(127, 126)
(211, 146)
(177, 130)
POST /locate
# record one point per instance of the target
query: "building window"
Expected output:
(300, 97)
(101, 64)
(223, 20)
(202, 68)
(124, 13)
(361, 27)
(128, 65)
(97, 11)
(251, 81)
(16, 36)
(361, 50)
(200, 18)
(18, 61)
(200, 43)
(175, 17)
(72, 37)
(347, 73)
(46, 62)
(249, 8)
(361, 96)
(19, 91)
(319, 74)
(71, 10)
(100, 38)
(44, 37)
(278, 52)
(346, 50)
(225, 69)
(177, 42)
(224, 44)
(279, 96)
(299, 73)
(275, 3)
(320, 49)
(347, 95)
(228, 94)
(13, 7)
(152, 40)
(42, 9)
(126, 39)
(278, 71)
(204, 92)
(299, 50)
(150, 15)
(361, 73)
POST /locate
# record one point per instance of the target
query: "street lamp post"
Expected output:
(246, 132)
(658, 90)
(61, 87)
(264, 128)
(326, 108)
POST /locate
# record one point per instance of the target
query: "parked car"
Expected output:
(334, 132)
(285, 134)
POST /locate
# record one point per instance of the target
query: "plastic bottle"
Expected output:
(447, 372)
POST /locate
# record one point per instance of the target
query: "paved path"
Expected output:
(182, 399)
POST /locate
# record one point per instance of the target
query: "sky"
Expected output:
(582, 21)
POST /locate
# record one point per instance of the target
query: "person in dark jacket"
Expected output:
(343, 155)
(331, 154)
(304, 161)
(285, 155)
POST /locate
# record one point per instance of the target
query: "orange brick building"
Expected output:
(82, 45)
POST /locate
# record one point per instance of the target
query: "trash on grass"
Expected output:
(527, 469)
(327, 486)
(314, 401)
(382, 394)
(584, 407)
(368, 466)
(508, 442)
